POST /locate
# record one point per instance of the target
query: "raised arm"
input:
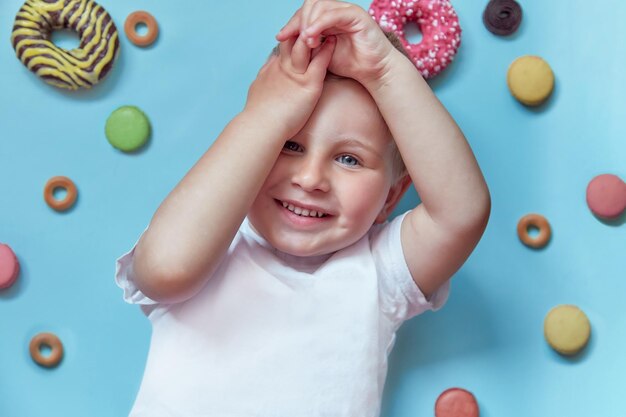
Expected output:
(439, 234)
(195, 224)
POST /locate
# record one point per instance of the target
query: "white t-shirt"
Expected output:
(275, 335)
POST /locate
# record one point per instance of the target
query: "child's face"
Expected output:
(339, 164)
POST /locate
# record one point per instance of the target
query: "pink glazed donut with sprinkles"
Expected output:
(436, 19)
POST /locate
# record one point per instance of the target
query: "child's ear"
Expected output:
(393, 198)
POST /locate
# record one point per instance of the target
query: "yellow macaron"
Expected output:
(567, 329)
(530, 80)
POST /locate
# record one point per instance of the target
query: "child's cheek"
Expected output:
(364, 196)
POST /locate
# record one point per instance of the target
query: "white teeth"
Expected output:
(302, 212)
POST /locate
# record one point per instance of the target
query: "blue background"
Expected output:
(489, 337)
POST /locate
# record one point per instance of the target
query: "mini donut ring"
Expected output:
(55, 345)
(60, 182)
(538, 221)
(502, 17)
(436, 19)
(130, 28)
(84, 66)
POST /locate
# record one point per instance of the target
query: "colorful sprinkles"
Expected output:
(438, 23)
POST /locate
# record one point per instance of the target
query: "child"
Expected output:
(272, 280)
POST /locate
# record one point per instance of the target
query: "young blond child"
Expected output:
(273, 281)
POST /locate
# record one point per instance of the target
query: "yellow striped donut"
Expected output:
(82, 67)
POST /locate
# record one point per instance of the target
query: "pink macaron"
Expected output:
(9, 266)
(456, 402)
(606, 196)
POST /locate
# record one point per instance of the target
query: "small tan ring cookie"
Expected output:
(538, 221)
(60, 182)
(567, 329)
(55, 345)
(530, 80)
(130, 28)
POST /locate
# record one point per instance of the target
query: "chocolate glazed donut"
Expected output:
(502, 17)
(82, 67)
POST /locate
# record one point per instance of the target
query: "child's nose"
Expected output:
(311, 175)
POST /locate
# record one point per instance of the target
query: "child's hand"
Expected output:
(363, 52)
(289, 85)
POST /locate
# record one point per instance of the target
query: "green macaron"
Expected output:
(127, 128)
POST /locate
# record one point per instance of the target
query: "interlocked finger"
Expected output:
(284, 50)
(300, 56)
(333, 22)
(306, 8)
(322, 19)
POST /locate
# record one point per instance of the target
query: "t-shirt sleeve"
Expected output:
(400, 298)
(124, 279)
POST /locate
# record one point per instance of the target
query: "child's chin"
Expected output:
(289, 250)
(294, 250)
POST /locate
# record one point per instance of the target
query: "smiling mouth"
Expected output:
(302, 212)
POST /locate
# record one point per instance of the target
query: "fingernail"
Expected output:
(309, 41)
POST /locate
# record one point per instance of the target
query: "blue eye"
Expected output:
(348, 160)
(292, 146)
